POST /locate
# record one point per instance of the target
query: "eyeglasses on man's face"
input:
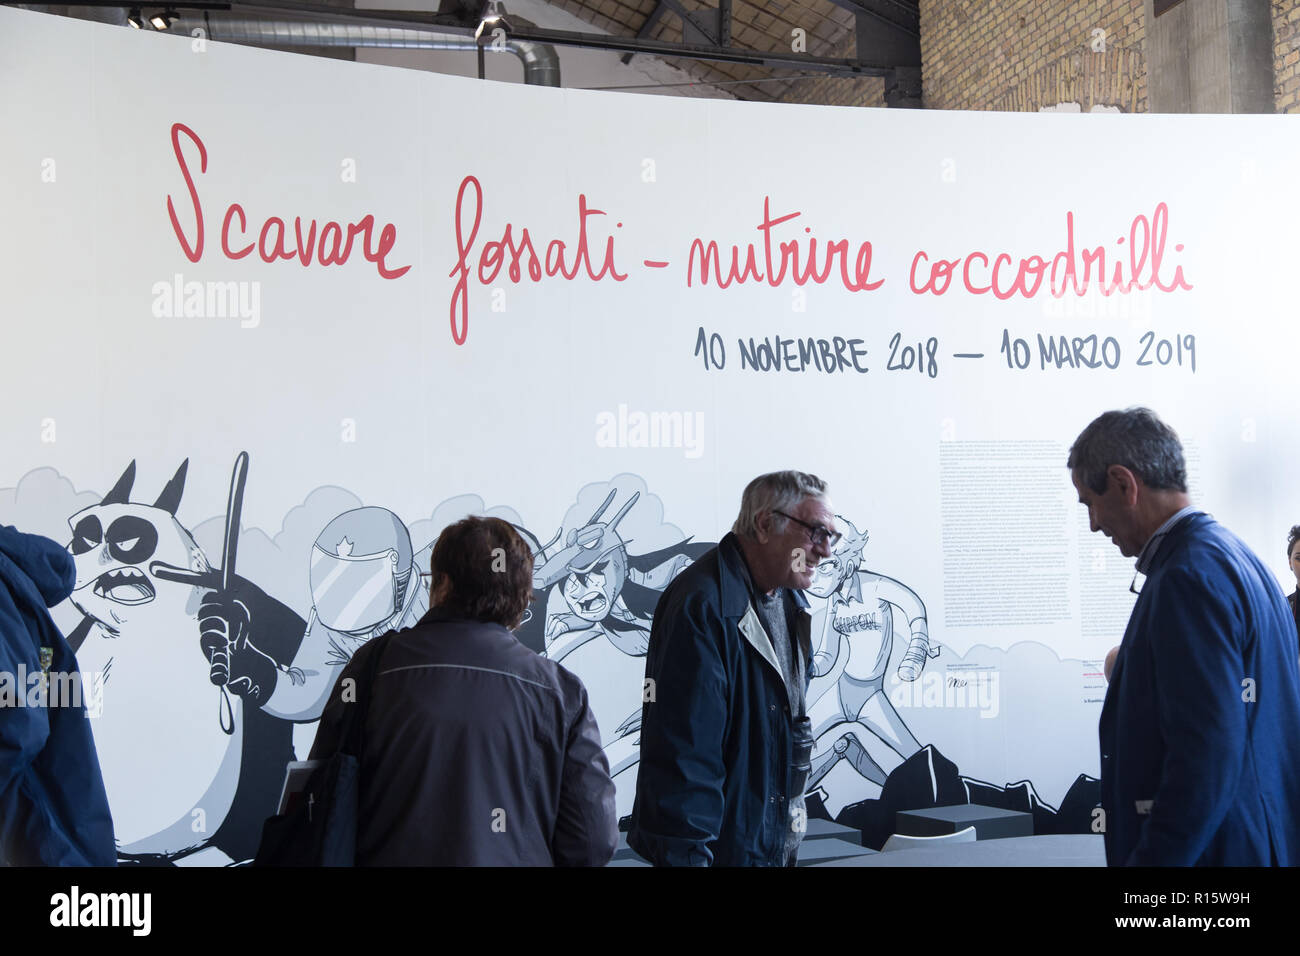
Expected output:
(818, 534)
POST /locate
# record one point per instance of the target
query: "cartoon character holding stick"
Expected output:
(144, 585)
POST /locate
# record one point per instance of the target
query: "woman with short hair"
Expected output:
(476, 751)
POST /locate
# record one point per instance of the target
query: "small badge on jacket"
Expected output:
(47, 658)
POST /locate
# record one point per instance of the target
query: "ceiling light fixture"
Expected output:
(494, 17)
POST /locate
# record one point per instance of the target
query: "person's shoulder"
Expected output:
(1210, 549)
(1205, 532)
(546, 676)
(702, 569)
(479, 645)
(701, 575)
(496, 648)
(363, 657)
(695, 589)
(1210, 563)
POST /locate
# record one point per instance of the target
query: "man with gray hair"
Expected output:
(725, 741)
(1198, 759)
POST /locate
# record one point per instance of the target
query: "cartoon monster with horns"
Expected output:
(187, 768)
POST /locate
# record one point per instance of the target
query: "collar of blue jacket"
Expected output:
(734, 581)
(735, 596)
(1146, 558)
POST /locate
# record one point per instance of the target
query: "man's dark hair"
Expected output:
(490, 568)
(1291, 539)
(1136, 439)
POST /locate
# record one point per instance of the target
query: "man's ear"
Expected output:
(1125, 482)
(763, 526)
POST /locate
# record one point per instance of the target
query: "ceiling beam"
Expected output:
(457, 21)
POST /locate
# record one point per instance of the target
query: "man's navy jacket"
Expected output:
(1200, 732)
(53, 808)
(713, 786)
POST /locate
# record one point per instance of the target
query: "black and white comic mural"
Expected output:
(224, 676)
(146, 591)
(258, 358)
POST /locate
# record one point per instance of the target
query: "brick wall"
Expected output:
(838, 91)
(1286, 55)
(976, 54)
(1028, 54)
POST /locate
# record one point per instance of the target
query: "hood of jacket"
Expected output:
(36, 567)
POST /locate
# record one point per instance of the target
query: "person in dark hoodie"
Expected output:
(53, 807)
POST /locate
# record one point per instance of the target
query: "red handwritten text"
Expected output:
(1142, 270)
(855, 276)
(330, 244)
(518, 256)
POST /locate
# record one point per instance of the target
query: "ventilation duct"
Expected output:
(540, 61)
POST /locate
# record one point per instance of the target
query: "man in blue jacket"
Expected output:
(53, 808)
(1198, 734)
(725, 741)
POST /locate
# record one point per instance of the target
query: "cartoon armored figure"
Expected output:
(365, 581)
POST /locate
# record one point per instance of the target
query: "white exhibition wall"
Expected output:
(529, 320)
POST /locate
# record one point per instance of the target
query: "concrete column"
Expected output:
(1210, 56)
